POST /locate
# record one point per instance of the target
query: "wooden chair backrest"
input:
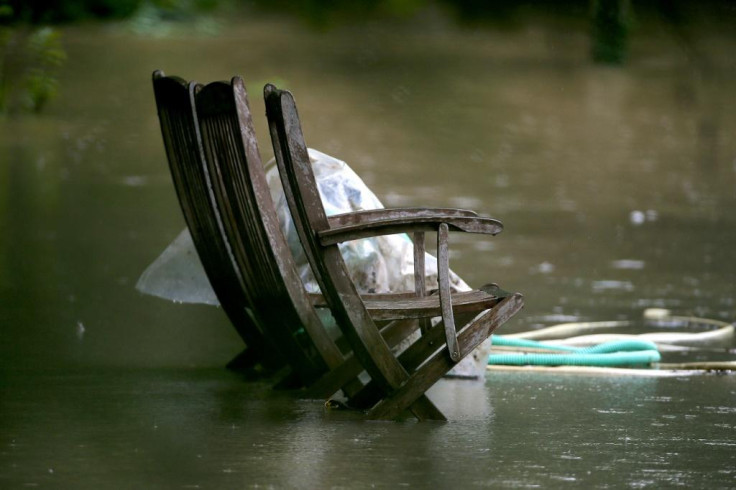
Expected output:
(327, 263)
(191, 181)
(270, 278)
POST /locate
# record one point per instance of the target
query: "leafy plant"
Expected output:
(45, 57)
(29, 61)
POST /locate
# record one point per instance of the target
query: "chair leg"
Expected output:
(431, 340)
(360, 396)
(424, 409)
(469, 338)
(342, 377)
(246, 360)
(290, 381)
(345, 376)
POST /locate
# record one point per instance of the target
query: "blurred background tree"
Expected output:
(56, 11)
(29, 61)
(611, 25)
(31, 52)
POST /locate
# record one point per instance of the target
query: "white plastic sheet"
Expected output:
(177, 274)
(383, 264)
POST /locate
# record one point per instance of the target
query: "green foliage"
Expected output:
(29, 62)
(186, 7)
(59, 11)
(611, 25)
(327, 13)
(45, 57)
(161, 18)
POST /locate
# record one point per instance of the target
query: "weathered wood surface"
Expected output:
(262, 256)
(212, 149)
(192, 183)
(369, 215)
(432, 340)
(443, 278)
(400, 385)
(471, 336)
(407, 224)
(420, 272)
(309, 217)
(393, 333)
(218, 176)
(408, 305)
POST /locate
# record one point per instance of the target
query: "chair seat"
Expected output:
(395, 306)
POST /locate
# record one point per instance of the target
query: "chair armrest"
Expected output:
(364, 224)
(369, 215)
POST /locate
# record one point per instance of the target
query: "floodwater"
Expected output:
(617, 187)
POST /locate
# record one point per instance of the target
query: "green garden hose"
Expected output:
(616, 353)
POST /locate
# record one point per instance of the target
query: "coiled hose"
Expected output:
(615, 353)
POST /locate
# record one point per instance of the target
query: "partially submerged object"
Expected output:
(397, 382)
(223, 191)
(192, 181)
(570, 347)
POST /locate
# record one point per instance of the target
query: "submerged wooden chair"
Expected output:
(215, 163)
(242, 250)
(397, 382)
(192, 183)
(240, 192)
(223, 192)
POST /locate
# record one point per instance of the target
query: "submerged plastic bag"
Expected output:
(376, 265)
(383, 264)
(178, 275)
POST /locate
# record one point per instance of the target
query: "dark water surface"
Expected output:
(617, 187)
(201, 428)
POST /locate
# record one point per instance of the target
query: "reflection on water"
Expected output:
(616, 186)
